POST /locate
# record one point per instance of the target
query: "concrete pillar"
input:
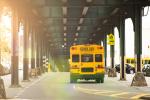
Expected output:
(44, 56)
(105, 49)
(33, 43)
(26, 53)
(47, 59)
(0, 34)
(41, 56)
(122, 48)
(138, 37)
(38, 53)
(15, 50)
(34, 70)
(49, 63)
(139, 78)
(112, 51)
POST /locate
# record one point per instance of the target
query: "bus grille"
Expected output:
(87, 69)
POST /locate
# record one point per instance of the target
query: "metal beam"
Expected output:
(15, 50)
(105, 48)
(112, 50)
(33, 51)
(138, 36)
(91, 5)
(122, 48)
(26, 54)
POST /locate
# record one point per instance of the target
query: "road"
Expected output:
(56, 86)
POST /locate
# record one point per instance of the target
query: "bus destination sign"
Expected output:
(87, 49)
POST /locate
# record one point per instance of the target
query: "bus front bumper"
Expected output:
(87, 76)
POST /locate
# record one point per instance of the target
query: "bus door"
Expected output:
(87, 64)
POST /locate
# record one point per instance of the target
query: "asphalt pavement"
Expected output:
(56, 86)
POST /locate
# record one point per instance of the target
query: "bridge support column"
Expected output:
(122, 48)
(105, 53)
(38, 52)
(138, 79)
(33, 72)
(42, 55)
(46, 60)
(112, 70)
(26, 53)
(15, 50)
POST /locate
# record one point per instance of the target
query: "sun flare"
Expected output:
(6, 21)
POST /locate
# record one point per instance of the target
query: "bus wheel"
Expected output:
(102, 80)
(98, 80)
(72, 80)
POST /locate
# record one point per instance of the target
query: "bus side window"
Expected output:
(98, 58)
(128, 61)
(142, 62)
(148, 61)
(132, 61)
(75, 58)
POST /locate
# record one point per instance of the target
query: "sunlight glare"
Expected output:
(6, 21)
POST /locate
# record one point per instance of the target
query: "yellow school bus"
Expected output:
(145, 61)
(87, 62)
(130, 61)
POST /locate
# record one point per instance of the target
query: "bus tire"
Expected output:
(102, 80)
(98, 80)
(73, 80)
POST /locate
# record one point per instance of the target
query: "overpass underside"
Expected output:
(55, 25)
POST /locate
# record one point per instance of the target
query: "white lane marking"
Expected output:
(21, 92)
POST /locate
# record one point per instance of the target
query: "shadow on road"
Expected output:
(86, 82)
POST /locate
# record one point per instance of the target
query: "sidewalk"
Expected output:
(128, 82)
(13, 92)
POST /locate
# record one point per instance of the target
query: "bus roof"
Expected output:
(88, 48)
(86, 45)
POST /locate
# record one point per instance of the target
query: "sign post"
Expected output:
(111, 42)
